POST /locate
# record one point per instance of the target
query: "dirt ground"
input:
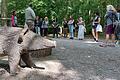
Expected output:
(72, 60)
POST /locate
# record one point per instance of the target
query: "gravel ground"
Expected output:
(74, 60)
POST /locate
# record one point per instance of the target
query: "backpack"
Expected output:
(117, 28)
(112, 16)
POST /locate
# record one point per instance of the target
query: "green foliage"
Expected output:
(62, 8)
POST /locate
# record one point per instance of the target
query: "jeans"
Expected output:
(37, 29)
(71, 27)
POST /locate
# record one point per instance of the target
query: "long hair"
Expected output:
(111, 8)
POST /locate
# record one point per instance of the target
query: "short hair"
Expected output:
(97, 13)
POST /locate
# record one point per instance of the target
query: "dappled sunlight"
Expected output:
(91, 42)
(56, 67)
(51, 66)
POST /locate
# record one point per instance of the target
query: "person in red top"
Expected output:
(14, 19)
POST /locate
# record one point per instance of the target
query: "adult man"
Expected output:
(30, 17)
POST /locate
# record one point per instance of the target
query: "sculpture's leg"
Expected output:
(25, 56)
(14, 58)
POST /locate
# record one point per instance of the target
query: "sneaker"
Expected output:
(94, 39)
(103, 45)
(80, 39)
(71, 38)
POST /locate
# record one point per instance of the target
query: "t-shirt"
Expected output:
(111, 17)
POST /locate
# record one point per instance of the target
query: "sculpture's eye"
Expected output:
(20, 40)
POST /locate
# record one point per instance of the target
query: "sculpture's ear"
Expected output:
(20, 40)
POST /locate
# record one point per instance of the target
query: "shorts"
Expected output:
(110, 29)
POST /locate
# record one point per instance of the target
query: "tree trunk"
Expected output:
(4, 12)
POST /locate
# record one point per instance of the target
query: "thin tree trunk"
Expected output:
(4, 12)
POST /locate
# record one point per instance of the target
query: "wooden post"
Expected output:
(4, 12)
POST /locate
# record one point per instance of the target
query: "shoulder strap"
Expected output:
(118, 16)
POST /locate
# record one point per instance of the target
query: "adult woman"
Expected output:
(55, 28)
(37, 25)
(45, 26)
(111, 16)
(14, 19)
(71, 27)
(96, 22)
(81, 28)
(65, 28)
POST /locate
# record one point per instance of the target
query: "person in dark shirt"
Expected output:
(40, 25)
(65, 27)
(55, 28)
(96, 22)
(37, 25)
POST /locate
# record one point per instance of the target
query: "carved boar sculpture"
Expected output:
(17, 43)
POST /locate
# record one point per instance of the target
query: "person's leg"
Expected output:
(107, 38)
(39, 30)
(97, 36)
(45, 32)
(113, 37)
(36, 29)
(57, 30)
(72, 32)
(53, 32)
(30, 25)
(65, 32)
(78, 32)
(93, 33)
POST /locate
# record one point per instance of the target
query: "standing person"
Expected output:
(96, 22)
(65, 28)
(40, 25)
(37, 25)
(55, 28)
(81, 28)
(117, 29)
(71, 27)
(45, 26)
(111, 17)
(14, 19)
(30, 17)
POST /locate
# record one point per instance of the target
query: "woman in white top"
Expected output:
(81, 28)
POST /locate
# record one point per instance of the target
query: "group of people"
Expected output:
(112, 28)
(36, 24)
(70, 24)
(41, 26)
